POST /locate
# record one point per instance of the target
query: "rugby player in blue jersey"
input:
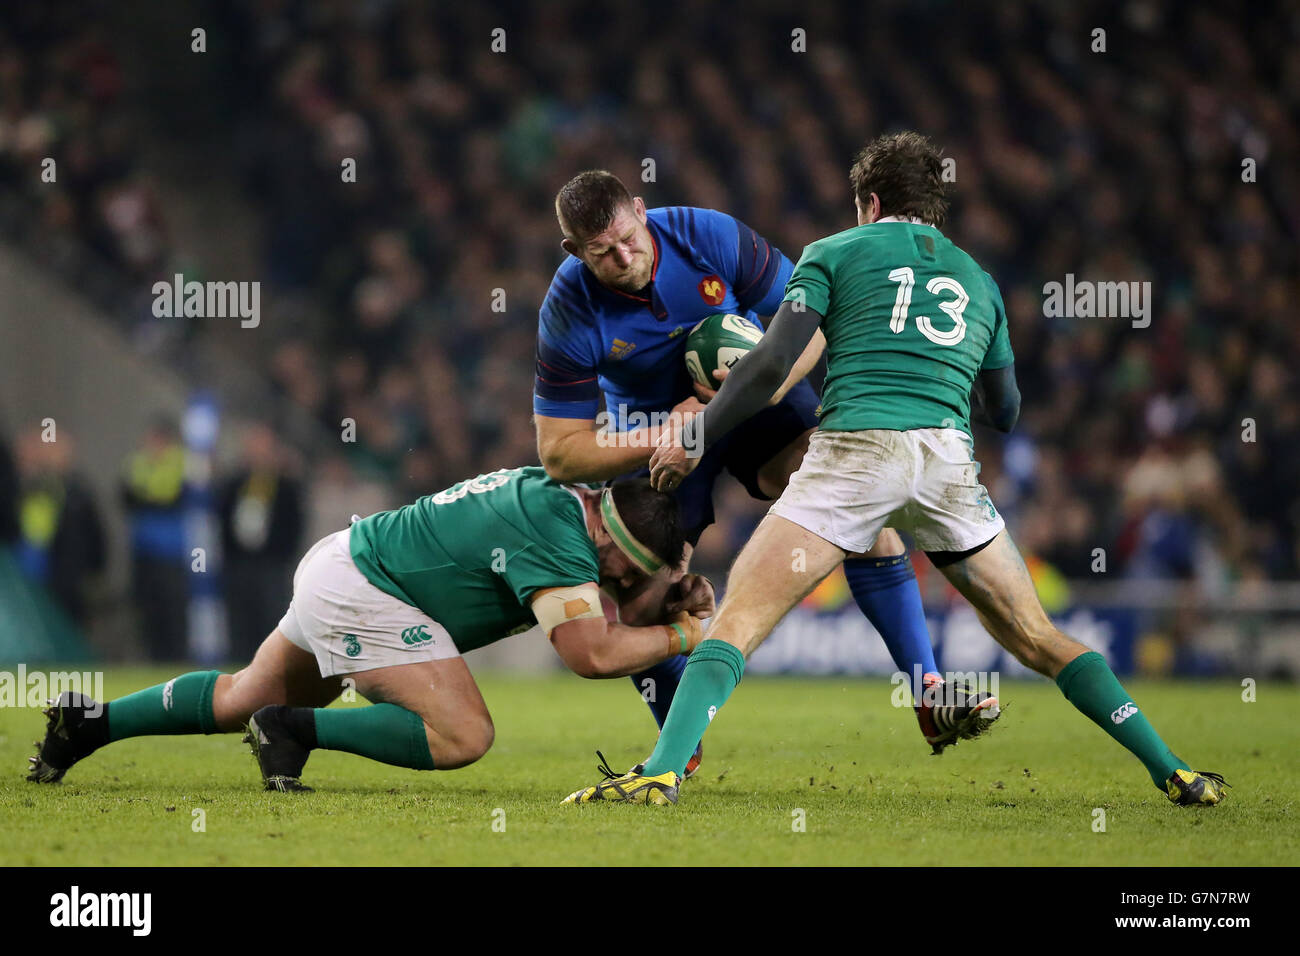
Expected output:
(614, 324)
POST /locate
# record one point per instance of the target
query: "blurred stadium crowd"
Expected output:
(1122, 165)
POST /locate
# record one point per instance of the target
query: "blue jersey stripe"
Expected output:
(567, 297)
(560, 378)
(759, 264)
(552, 408)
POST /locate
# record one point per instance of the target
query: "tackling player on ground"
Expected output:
(911, 323)
(391, 604)
(615, 322)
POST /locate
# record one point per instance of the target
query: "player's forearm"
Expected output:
(592, 646)
(592, 455)
(629, 650)
(995, 399)
(807, 362)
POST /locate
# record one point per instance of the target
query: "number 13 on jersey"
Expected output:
(906, 278)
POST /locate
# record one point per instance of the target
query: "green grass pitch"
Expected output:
(832, 753)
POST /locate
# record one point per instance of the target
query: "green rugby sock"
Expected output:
(1089, 684)
(712, 672)
(383, 732)
(183, 705)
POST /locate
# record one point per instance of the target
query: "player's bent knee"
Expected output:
(468, 743)
(483, 738)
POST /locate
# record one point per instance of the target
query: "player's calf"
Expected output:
(997, 584)
(1044, 650)
(280, 673)
(282, 738)
(427, 715)
(445, 712)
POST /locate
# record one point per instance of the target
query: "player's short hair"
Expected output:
(588, 203)
(905, 171)
(652, 518)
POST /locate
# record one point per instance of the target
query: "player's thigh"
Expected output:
(443, 694)
(280, 673)
(768, 448)
(888, 544)
(776, 570)
(849, 487)
(775, 473)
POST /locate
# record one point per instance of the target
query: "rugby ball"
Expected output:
(720, 341)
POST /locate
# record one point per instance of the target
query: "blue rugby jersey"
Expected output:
(593, 340)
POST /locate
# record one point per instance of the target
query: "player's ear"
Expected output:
(569, 246)
(638, 207)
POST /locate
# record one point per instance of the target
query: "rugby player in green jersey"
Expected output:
(392, 602)
(914, 327)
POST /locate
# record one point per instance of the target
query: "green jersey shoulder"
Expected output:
(910, 320)
(472, 556)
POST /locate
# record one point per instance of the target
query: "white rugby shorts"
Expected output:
(349, 624)
(923, 481)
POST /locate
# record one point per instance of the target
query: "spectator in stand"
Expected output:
(1123, 167)
(61, 535)
(261, 513)
(153, 491)
(473, 146)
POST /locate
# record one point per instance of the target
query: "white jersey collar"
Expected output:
(582, 505)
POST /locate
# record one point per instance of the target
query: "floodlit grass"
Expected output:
(831, 752)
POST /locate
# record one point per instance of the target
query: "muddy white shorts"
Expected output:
(348, 623)
(923, 481)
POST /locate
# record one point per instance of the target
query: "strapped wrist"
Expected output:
(681, 636)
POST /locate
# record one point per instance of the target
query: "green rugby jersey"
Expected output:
(909, 320)
(471, 557)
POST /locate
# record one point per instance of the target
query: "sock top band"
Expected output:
(1069, 671)
(722, 652)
